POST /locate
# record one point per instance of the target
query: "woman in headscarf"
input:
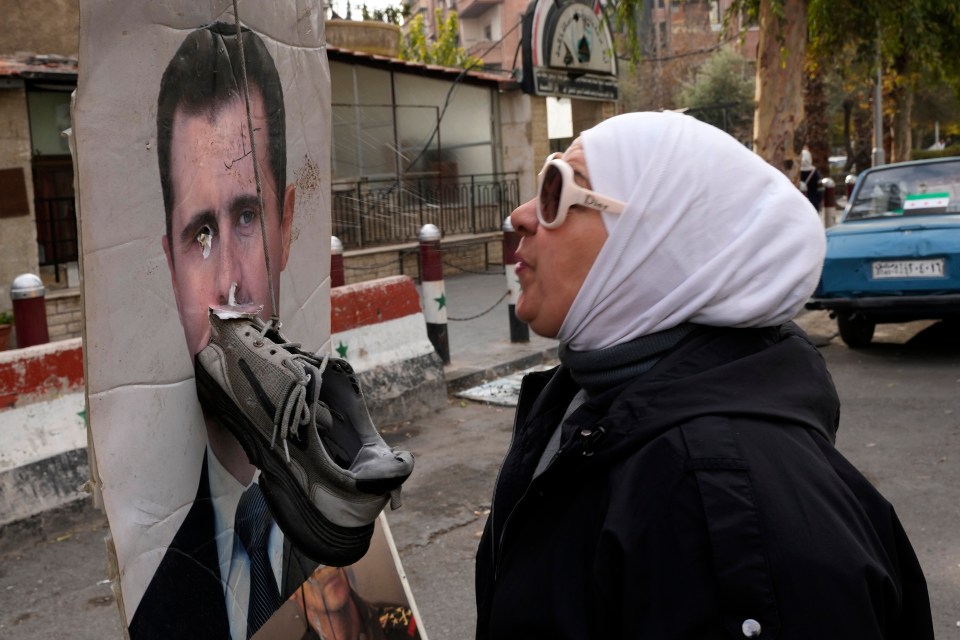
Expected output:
(675, 477)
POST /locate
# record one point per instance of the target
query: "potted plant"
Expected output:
(6, 325)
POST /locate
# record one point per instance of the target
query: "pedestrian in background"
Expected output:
(676, 476)
(809, 179)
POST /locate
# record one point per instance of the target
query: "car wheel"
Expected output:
(856, 330)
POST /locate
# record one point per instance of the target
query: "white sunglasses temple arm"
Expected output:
(600, 202)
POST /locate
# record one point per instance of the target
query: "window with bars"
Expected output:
(53, 196)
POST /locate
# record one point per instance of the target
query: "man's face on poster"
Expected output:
(215, 234)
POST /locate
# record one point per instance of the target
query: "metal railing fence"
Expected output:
(376, 212)
(56, 231)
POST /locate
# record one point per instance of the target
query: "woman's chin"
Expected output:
(535, 320)
(523, 314)
(544, 329)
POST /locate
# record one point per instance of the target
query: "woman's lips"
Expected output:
(521, 266)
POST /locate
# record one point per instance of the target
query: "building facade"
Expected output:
(412, 144)
(675, 37)
(38, 234)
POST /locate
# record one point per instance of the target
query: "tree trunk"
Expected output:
(902, 113)
(863, 127)
(777, 123)
(848, 106)
(815, 110)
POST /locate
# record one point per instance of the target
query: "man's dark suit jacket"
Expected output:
(185, 597)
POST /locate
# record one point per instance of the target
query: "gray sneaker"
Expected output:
(324, 469)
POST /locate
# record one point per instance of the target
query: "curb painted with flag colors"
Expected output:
(379, 328)
(36, 373)
(43, 458)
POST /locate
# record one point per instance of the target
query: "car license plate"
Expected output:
(908, 269)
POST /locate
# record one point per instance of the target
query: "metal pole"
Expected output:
(878, 155)
(848, 182)
(433, 296)
(397, 157)
(360, 216)
(337, 278)
(29, 310)
(519, 330)
(358, 135)
(473, 205)
(440, 177)
(829, 202)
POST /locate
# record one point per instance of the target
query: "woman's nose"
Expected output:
(524, 218)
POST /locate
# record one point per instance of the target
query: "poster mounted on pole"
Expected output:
(202, 152)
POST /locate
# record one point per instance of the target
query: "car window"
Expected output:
(907, 190)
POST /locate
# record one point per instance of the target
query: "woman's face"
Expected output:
(553, 263)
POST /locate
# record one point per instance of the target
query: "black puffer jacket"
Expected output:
(704, 499)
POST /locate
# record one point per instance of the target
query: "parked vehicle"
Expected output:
(895, 255)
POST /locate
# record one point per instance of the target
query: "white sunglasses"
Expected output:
(557, 192)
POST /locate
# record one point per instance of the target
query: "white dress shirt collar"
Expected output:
(225, 492)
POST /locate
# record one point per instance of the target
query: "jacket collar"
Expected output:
(772, 373)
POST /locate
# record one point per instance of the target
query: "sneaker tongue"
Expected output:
(324, 417)
(313, 389)
(321, 414)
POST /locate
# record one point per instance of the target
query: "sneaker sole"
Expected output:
(310, 532)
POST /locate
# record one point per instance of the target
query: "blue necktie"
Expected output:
(253, 521)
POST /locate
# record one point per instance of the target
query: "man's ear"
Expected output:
(173, 276)
(286, 225)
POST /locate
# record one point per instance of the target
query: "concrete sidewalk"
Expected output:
(479, 331)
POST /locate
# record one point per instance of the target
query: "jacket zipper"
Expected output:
(498, 550)
(496, 485)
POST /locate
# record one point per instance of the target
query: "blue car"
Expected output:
(895, 255)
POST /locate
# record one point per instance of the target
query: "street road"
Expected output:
(900, 425)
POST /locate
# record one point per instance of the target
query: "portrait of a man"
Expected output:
(204, 587)
(333, 609)
(205, 185)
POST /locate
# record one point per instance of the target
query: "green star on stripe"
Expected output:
(342, 350)
(441, 301)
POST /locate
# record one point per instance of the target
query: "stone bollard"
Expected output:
(829, 202)
(337, 278)
(519, 331)
(29, 310)
(433, 297)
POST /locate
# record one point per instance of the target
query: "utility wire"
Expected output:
(274, 302)
(456, 81)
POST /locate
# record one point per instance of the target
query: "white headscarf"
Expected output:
(711, 234)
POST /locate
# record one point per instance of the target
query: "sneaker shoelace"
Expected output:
(297, 410)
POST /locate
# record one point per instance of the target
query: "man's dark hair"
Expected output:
(202, 77)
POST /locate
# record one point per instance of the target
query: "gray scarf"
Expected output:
(606, 368)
